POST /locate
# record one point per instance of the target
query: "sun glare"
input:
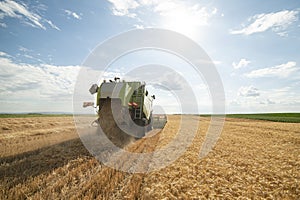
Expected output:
(187, 22)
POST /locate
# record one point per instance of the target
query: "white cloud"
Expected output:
(26, 54)
(122, 7)
(276, 21)
(281, 71)
(52, 25)
(9, 8)
(283, 34)
(286, 99)
(185, 17)
(15, 10)
(215, 11)
(242, 63)
(3, 54)
(160, 77)
(137, 26)
(217, 62)
(248, 91)
(24, 82)
(3, 24)
(23, 49)
(267, 102)
(170, 81)
(284, 96)
(73, 14)
(177, 10)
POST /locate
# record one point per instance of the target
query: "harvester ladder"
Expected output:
(139, 100)
(138, 113)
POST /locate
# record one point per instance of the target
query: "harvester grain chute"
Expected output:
(124, 110)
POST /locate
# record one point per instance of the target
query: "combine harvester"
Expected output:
(124, 110)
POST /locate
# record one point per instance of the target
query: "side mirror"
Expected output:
(153, 96)
(94, 89)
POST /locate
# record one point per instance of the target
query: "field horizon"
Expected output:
(290, 117)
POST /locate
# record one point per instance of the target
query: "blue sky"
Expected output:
(255, 46)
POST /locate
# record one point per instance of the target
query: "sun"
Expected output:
(187, 22)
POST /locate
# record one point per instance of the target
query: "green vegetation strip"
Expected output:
(33, 115)
(275, 117)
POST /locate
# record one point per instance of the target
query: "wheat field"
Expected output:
(43, 158)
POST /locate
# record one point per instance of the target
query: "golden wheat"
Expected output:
(43, 158)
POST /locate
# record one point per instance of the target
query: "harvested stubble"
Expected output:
(252, 159)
